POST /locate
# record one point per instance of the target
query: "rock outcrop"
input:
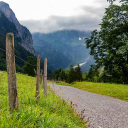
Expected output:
(23, 32)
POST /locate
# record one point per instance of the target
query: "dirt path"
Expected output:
(103, 111)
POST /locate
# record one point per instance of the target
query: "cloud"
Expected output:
(89, 19)
(93, 11)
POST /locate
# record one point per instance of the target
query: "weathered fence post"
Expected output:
(38, 76)
(43, 80)
(11, 72)
(41, 75)
(45, 77)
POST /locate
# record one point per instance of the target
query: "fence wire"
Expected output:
(17, 87)
(23, 61)
(18, 57)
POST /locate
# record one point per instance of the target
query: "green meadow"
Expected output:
(46, 112)
(119, 91)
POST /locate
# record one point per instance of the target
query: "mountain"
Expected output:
(7, 26)
(63, 48)
(23, 35)
(23, 49)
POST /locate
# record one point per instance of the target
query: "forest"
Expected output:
(69, 76)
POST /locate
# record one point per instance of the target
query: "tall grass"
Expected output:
(46, 112)
(119, 91)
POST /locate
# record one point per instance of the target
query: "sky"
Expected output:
(46, 16)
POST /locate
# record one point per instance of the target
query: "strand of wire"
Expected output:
(17, 87)
(17, 57)
(20, 58)
(2, 49)
(25, 61)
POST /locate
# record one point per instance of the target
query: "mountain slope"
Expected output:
(62, 48)
(6, 26)
(23, 35)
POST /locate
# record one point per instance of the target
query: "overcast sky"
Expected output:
(52, 15)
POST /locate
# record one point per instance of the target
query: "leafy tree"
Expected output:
(78, 73)
(84, 76)
(30, 65)
(56, 74)
(90, 74)
(62, 75)
(66, 75)
(109, 46)
(71, 75)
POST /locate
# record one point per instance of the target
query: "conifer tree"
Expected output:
(71, 75)
(30, 65)
(62, 75)
(78, 73)
(56, 74)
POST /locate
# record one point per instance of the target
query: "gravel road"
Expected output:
(103, 111)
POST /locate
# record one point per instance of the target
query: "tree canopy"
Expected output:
(30, 65)
(70, 75)
(78, 73)
(109, 46)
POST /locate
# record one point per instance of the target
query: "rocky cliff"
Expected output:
(24, 34)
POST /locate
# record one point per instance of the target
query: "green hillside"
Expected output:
(119, 91)
(62, 48)
(46, 112)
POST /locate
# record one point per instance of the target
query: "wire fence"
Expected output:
(18, 57)
(7, 86)
(23, 61)
(17, 87)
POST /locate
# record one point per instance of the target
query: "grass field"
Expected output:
(118, 91)
(46, 112)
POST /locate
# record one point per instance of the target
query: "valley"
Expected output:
(63, 48)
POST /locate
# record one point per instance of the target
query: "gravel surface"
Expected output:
(103, 111)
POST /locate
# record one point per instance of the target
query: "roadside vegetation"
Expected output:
(73, 74)
(47, 112)
(119, 91)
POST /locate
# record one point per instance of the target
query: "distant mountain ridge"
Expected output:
(63, 48)
(21, 52)
(24, 36)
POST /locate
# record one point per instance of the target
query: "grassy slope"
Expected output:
(118, 91)
(47, 112)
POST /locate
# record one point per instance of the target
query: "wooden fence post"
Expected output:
(41, 75)
(11, 72)
(45, 77)
(38, 76)
(43, 80)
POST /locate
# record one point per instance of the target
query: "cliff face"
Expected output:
(26, 37)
